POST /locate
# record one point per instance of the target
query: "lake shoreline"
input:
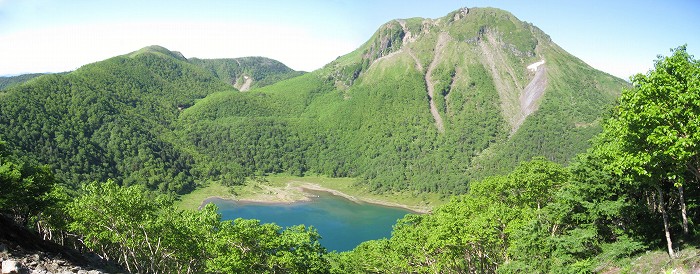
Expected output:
(298, 192)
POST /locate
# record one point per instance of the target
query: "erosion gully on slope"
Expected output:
(442, 40)
(439, 46)
(517, 102)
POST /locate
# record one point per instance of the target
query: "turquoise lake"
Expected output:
(342, 224)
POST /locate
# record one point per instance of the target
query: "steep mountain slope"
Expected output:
(424, 105)
(111, 119)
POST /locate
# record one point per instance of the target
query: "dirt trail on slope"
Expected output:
(439, 47)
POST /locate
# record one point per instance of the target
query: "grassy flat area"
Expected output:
(283, 188)
(194, 199)
(347, 186)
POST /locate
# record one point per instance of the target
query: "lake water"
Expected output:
(342, 224)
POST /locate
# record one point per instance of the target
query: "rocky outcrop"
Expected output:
(24, 251)
(10, 266)
(18, 260)
(389, 38)
(461, 13)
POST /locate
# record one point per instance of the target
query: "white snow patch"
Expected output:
(535, 65)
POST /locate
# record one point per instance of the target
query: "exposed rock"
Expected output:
(531, 95)
(10, 266)
(390, 38)
(439, 47)
(533, 67)
(23, 251)
(246, 83)
(461, 14)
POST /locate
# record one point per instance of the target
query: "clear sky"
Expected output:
(618, 37)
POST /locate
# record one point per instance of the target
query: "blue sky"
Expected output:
(618, 37)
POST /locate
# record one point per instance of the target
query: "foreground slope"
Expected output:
(420, 105)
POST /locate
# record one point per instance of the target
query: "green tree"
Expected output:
(25, 188)
(477, 232)
(248, 246)
(143, 232)
(586, 224)
(654, 135)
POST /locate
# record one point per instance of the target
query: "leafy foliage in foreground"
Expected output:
(143, 232)
(26, 188)
(653, 142)
(506, 223)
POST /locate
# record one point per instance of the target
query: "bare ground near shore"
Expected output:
(292, 190)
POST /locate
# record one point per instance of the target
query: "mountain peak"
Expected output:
(462, 25)
(155, 49)
(482, 48)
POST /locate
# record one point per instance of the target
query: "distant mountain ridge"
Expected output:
(247, 72)
(9, 81)
(423, 105)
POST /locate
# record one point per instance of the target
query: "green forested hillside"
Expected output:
(475, 103)
(369, 114)
(424, 105)
(634, 190)
(111, 120)
(247, 72)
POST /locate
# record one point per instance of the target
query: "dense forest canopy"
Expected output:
(574, 180)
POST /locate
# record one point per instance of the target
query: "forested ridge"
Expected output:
(260, 70)
(9, 81)
(578, 179)
(113, 119)
(156, 118)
